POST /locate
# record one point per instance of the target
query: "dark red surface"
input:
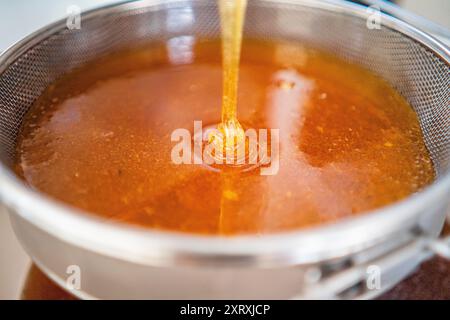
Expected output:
(431, 281)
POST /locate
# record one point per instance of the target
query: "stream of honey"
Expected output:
(232, 14)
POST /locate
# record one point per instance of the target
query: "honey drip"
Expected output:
(232, 13)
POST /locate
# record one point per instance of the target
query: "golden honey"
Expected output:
(99, 139)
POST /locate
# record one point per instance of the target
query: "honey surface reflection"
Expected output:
(99, 139)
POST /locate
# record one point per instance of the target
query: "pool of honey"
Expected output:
(100, 139)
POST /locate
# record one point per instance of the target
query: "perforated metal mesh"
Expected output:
(420, 75)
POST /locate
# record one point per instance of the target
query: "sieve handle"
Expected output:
(441, 245)
(352, 282)
(335, 286)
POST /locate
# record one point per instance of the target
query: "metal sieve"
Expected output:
(332, 261)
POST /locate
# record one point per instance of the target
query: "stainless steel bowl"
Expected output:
(119, 261)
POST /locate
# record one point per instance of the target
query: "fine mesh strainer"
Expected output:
(162, 264)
